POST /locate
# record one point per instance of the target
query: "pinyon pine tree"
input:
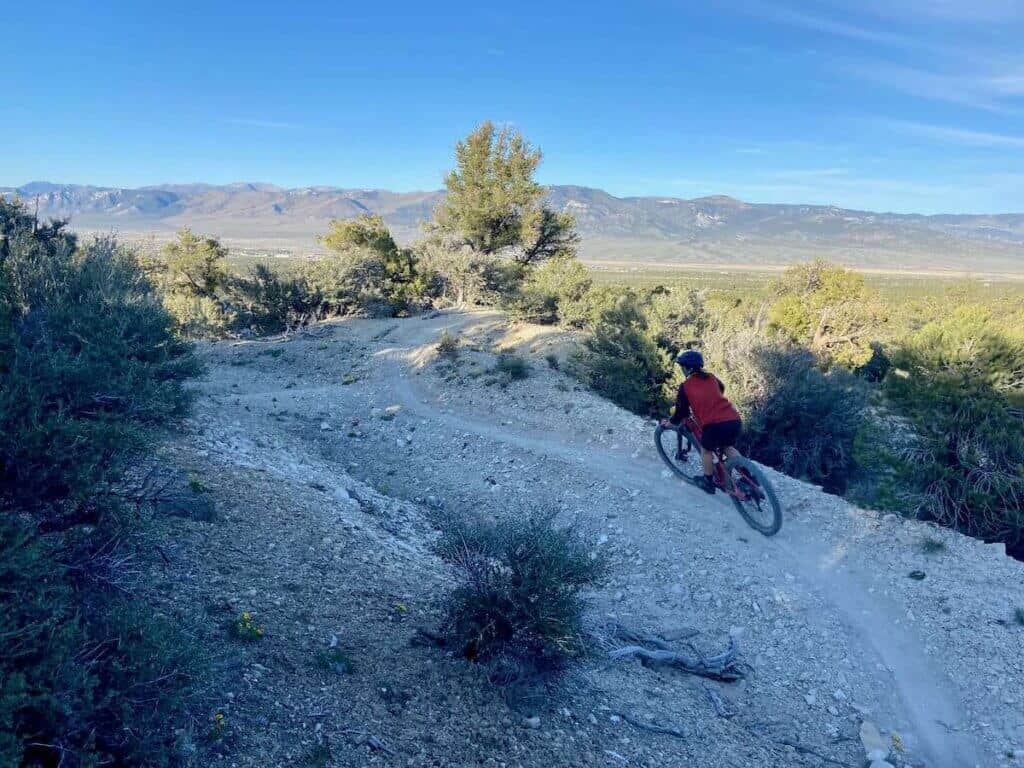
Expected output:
(494, 203)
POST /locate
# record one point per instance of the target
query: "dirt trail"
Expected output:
(833, 626)
(892, 655)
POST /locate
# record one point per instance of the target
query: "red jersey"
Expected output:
(705, 396)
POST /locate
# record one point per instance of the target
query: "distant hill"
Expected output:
(652, 229)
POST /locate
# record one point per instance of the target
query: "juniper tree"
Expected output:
(494, 203)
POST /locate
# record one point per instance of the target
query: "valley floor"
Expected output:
(333, 456)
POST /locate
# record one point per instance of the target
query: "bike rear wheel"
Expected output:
(667, 441)
(753, 496)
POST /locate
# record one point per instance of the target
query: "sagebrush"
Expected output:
(519, 590)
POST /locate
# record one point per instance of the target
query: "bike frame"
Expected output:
(690, 429)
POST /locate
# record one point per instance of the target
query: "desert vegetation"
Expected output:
(518, 601)
(89, 371)
(908, 404)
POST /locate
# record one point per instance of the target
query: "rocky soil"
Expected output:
(322, 467)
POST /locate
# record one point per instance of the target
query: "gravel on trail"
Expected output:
(331, 459)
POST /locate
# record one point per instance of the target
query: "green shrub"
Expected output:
(959, 380)
(87, 679)
(455, 274)
(192, 277)
(677, 318)
(89, 370)
(90, 363)
(519, 589)
(367, 271)
(797, 418)
(448, 346)
(268, 302)
(350, 282)
(555, 292)
(830, 310)
(622, 362)
(511, 366)
(246, 629)
(199, 317)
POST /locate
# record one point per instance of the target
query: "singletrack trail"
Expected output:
(835, 630)
(889, 660)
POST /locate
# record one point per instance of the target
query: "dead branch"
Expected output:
(652, 727)
(723, 708)
(724, 666)
(813, 752)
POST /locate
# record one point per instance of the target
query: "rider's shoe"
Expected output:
(705, 483)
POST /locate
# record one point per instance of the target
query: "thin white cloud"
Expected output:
(976, 11)
(839, 28)
(989, 93)
(953, 135)
(251, 122)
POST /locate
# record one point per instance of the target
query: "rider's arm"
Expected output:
(682, 409)
(721, 386)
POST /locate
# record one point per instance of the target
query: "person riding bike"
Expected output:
(704, 395)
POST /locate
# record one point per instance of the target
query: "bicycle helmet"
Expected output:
(691, 360)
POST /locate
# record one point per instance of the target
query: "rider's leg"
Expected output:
(707, 462)
(706, 480)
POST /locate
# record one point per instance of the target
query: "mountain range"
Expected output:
(707, 230)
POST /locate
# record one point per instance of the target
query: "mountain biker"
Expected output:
(704, 395)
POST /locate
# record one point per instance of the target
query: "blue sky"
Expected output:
(901, 105)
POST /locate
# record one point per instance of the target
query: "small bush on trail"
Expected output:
(519, 590)
(448, 346)
(932, 546)
(511, 366)
(552, 361)
(246, 628)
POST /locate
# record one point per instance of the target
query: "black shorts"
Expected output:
(721, 435)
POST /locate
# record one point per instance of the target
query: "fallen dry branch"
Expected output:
(723, 708)
(800, 748)
(725, 666)
(652, 727)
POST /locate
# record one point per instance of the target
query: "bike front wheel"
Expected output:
(753, 496)
(674, 448)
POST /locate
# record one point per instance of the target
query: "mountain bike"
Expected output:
(738, 477)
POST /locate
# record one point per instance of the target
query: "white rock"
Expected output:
(881, 764)
(876, 748)
(533, 722)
